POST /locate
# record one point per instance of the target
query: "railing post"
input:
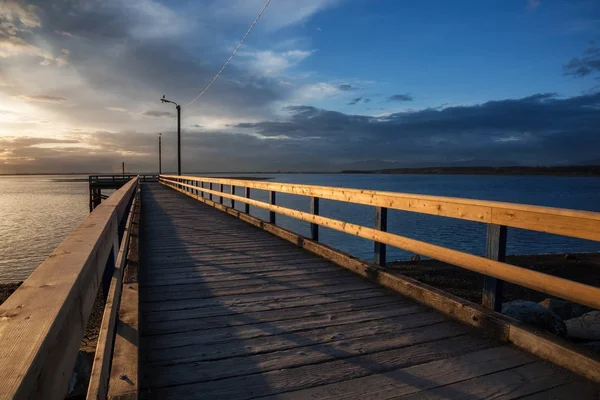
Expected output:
(314, 209)
(380, 224)
(272, 201)
(233, 193)
(495, 249)
(202, 188)
(221, 190)
(247, 195)
(210, 186)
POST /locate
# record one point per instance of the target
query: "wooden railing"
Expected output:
(43, 322)
(120, 178)
(498, 216)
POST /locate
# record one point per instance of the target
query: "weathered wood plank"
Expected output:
(338, 323)
(199, 312)
(201, 291)
(419, 378)
(327, 337)
(284, 380)
(314, 311)
(308, 351)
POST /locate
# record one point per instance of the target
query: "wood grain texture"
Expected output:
(98, 386)
(235, 329)
(42, 323)
(124, 373)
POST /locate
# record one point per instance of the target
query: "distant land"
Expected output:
(571, 170)
(566, 170)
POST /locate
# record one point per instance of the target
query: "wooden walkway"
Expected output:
(229, 311)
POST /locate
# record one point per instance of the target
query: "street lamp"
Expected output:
(178, 107)
(159, 153)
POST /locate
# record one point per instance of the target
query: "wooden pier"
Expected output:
(205, 300)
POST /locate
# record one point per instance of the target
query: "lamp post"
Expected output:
(159, 153)
(178, 107)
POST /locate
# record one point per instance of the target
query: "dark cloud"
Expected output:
(585, 65)
(542, 129)
(401, 97)
(153, 113)
(367, 100)
(346, 87)
(42, 98)
(354, 101)
(196, 126)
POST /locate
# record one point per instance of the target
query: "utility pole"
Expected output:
(178, 107)
(123, 168)
(159, 154)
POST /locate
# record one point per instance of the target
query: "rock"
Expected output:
(565, 309)
(532, 313)
(415, 258)
(585, 327)
(81, 376)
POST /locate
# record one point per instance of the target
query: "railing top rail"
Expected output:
(42, 323)
(574, 223)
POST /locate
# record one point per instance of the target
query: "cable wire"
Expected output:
(232, 54)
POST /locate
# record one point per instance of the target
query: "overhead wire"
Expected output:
(231, 56)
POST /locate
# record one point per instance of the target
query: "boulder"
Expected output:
(532, 313)
(565, 309)
(585, 327)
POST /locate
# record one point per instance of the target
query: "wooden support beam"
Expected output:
(247, 195)
(233, 193)
(381, 225)
(272, 196)
(314, 210)
(221, 190)
(495, 249)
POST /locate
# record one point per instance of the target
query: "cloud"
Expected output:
(158, 114)
(116, 109)
(533, 4)
(542, 129)
(585, 65)
(196, 126)
(401, 97)
(42, 98)
(346, 87)
(268, 62)
(354, 101)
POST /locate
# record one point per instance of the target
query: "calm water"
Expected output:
(37, 213)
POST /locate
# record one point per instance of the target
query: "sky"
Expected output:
(318, 85)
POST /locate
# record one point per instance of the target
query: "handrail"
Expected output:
(98, 385)
(515, 215)
(573, 223)
(43, 322)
